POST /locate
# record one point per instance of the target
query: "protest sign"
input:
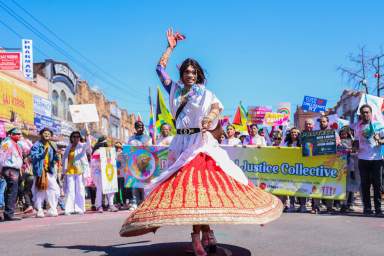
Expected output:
(85, 113)
(281, 171)
(108, 170)
(256, 114)
(314, 104)
(275, 119)
(316, 143)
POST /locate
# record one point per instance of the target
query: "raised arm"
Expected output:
(160, 69)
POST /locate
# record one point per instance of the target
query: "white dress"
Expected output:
(185, 147)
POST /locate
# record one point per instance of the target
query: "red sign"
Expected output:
(10, 61)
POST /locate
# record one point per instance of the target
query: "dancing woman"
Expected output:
(202, 185)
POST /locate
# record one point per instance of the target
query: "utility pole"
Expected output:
(376, 64)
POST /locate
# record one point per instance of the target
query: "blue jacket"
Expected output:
(37, 155)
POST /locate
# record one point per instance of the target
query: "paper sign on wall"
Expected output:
(85, 113)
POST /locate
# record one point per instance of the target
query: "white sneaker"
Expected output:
(67, 214)
(52, 213)
(40, 213)
(133, 207)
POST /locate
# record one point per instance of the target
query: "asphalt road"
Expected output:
(292, 235)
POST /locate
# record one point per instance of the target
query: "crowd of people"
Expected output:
(43, 177)
(362, 145)
(47, 176)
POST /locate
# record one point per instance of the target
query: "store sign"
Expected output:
(42, 121)
(27, 58)
(42, 106)
(15, 101)
(61, 69)
(114, 121)
(10, 60)
(66, 128)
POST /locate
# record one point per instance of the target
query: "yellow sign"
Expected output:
(17, 100)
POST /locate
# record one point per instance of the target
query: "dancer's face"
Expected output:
(189, 76)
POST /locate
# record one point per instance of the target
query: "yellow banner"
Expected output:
(15, 99)
(284, 171)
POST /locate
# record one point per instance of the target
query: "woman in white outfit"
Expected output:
(96, 176)
(75, 169)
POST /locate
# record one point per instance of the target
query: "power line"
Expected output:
(71, 47)
(42, 53)
(56, 47)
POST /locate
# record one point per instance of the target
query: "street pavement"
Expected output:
(98, 234)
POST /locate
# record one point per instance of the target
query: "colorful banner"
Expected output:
(108, 170)
(162, 113)
(256, 114)
(317, 143)
(284, 171)
(15, 101)
(275, 119)
(281, 171)
(314, 104)
(141, 164)
(10, 60)
(27, 59)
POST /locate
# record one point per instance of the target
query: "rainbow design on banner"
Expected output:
(142, 164)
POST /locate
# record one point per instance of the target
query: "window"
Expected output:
(69, 117)
(55, 103)
(63, 105)
(104, 125)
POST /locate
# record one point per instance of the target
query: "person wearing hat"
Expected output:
(97, 176)
(44, 156)
(11, 161)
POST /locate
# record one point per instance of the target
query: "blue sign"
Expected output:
(314, 104)
(41, 122)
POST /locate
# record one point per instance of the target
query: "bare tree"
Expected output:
(376, 64)
(357, 75)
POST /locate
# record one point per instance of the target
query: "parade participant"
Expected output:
(293, 140)
(165, 138)
(324, 125)
(139, 138)
(308, 127)
(202, 185)
(277, 137)
(231, 140)
(44, 155)
(11, 161)
(346, 142)
(75, 169)
(121, 195)
(369, 135)
(26, 184)
(97, 176)
(254, 139)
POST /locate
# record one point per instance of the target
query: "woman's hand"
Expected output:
(172, 41)
(205, 124)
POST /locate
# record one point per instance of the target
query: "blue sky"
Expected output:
(259, 52)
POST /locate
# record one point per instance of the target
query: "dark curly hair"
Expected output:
(191, 62)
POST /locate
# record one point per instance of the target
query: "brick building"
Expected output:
(114, 122)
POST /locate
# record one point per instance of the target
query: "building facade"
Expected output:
(114, 122)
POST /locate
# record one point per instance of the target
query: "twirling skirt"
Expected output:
(202, 193)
